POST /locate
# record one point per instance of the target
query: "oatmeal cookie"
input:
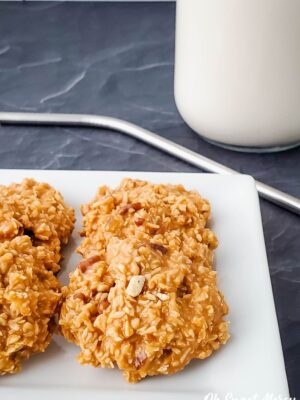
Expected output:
(29, 295)
(145, 296)
(34, 224)
(38, 211)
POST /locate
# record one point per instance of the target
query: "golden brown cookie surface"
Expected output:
(145, 295)
(29, 295)
(37, 210)
(34, 224)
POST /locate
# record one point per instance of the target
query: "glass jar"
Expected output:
(237, 71)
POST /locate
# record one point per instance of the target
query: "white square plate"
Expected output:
(250, 364)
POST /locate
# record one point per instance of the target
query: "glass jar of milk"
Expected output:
(237, 71)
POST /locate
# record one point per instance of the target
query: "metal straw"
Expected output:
(267, 192)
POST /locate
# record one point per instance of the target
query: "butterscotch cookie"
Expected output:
(29, 295)
(145, 296)
(38, 211)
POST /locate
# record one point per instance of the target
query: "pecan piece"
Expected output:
(136, 206)
(85, 264)
(140, 358)
(159, 247)
(139, 221)
(135, 285)
(94, 292)
(123, 210)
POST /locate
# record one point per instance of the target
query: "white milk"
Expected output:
(237, 70)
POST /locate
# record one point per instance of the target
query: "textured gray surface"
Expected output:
(117, 59)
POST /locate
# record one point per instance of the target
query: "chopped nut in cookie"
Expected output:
(135, 285)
